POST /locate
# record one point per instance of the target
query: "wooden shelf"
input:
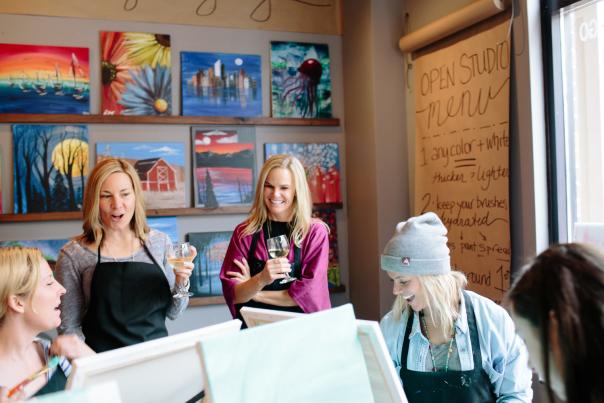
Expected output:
(203, 301)
(164, 120)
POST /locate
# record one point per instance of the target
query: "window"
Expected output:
(575, 99)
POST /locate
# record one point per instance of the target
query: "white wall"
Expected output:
(85, 33)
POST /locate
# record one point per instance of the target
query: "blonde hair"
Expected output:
(442, 299)
(93, 226)
(19, 274)
(301, 205)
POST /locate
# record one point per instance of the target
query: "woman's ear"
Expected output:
(554, 340)
(16, 303)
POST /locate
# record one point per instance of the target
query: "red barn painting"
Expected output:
(156, 175)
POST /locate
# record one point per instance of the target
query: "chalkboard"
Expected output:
(462, 152)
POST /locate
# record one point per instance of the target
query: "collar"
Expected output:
(461, 324)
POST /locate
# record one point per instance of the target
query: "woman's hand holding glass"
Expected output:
(181, 256)
(278, 249)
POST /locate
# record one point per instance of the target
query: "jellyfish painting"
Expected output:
(302, 88)
(301, 85)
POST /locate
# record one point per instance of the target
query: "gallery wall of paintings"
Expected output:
(109, 67)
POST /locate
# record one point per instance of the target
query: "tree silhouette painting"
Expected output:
(50, 167)
(211, 249)
(223, 166)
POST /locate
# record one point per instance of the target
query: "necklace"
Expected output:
(449, 350)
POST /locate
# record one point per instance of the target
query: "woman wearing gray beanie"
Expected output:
(448, 344)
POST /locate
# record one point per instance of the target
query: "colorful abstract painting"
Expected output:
(167, 225)
(160, 167)
(223, 167)
(50, 247)
(220, 84)
(322, 165)
(44, 79)
(300, 80)
(50, 164)
(211, 249)
(328, 216)
(136, 74)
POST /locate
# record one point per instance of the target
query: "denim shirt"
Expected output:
(504, 355)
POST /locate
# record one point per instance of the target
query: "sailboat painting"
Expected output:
(44, 79)
(223, 168)
(136, 73)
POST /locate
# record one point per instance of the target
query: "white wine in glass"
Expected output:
(279, 247)
(179, 253)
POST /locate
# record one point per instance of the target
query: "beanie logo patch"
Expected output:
(406, 261)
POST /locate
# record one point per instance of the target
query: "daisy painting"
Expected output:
(136, 74)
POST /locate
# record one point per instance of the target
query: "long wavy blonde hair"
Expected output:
(301, 205)
(19, 274)
(93, 226)
(442, 293)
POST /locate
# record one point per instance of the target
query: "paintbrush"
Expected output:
(52, 363)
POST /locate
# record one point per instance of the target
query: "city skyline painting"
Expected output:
(322, 166)
(211, 250)
(223, 167)
(220, 84)
(50, 164)
(44, 79)
(160, 166)
(300, 80)
(136, 73)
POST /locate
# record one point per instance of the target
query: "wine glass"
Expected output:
(279, 247)
(179, 253)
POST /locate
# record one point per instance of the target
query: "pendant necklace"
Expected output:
(449, 350)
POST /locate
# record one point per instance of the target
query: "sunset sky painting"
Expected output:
(44, 79)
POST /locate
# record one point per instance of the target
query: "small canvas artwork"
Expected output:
(211, 249)
(50, 247)
(167, 225)
(220, 84)
(160, 167)
(136, 74)
(50, 164)
(300, 80)
(44, 79)
(322, 165)
(223, 167)
(1, 182)
(328, 216)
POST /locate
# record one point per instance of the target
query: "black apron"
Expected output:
(472, 386)
(56, 383)
(256, 266)
(128, 304)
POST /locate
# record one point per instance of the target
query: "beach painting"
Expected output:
(322, 165)
(220, 84)
(160, 167)
(44, 79)
(328, 216)
(300, 80)
(50, 164)
(50, 247)
(167, 225)
(211, 249)
(223, 167)
(136, 73)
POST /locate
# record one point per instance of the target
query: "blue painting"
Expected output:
(221, 84)
(44, 79)
(167, 225)
(160, 167)
(50, 167)
(211, 249)
(223, 167)
(50, 247)
(300, 80)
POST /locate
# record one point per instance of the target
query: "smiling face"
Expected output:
(410, 289)
(279, 193)
(43, 312)
(117, 202)
(530, 335)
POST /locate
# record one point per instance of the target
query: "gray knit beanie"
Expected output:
(418, 247)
